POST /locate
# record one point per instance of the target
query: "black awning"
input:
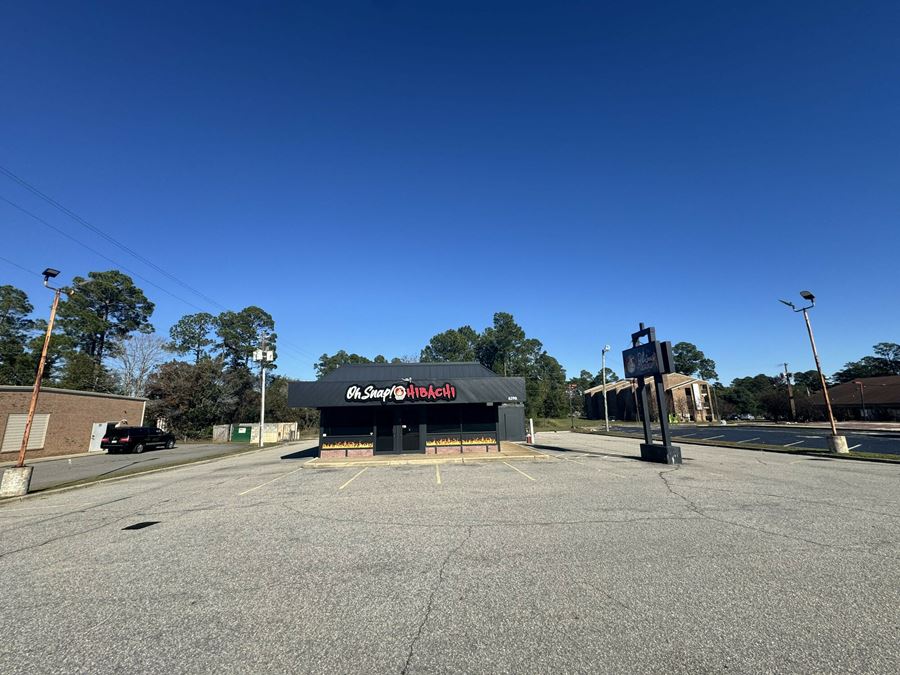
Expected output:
(334, 394)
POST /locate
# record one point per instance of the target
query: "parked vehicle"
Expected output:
(136, 439)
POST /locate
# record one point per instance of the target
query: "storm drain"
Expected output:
(141, 526)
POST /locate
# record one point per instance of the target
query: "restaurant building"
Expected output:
(427, 408)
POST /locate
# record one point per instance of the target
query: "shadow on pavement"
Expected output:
(584, 452)
(301, 454)
(125, 466)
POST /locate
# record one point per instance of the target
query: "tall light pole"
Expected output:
(572, 391)
(17, 480)
(835, 442)
(862, 397)
(603, 376)
(262, 355)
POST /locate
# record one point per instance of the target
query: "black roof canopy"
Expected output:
(406, 384)
(395, 372)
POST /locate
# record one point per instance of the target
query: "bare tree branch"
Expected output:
(136, 358)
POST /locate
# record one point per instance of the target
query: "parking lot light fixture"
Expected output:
(17, 479)
(862, 398)
(49, 273)
(836, 442)
(605, 349)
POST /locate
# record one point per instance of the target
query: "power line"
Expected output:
(93, 228)
(96, 230)
(15, 264)
(96, 252)
(285, 344)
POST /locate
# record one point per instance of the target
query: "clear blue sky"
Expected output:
(372, 173)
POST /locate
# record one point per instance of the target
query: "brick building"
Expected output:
(64, 419)
(865, 398)
(689, 399)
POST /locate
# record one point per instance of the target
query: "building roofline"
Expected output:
(74, 392)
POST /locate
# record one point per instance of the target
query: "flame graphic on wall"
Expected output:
(346, 445)
(484, 440)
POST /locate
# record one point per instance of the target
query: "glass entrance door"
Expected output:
(384, 430)
(397, 430)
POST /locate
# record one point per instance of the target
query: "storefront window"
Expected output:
(479, 419)
(443, 420)
(347, 422)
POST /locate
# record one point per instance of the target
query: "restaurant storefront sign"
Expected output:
(400, 393)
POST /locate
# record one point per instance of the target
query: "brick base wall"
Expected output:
(360, 452)
(332, 454)
(460, 449)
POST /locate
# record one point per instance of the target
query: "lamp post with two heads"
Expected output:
(835, 442)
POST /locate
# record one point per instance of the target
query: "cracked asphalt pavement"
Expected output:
(585, 561)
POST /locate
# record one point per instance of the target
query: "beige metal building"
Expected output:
(66, 422)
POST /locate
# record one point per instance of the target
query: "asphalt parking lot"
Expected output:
(799, 438)
(586, 560)
(59, 471)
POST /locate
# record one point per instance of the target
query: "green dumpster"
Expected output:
(241, 434)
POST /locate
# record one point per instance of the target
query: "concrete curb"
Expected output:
(172, 467)
(427, 460)
(824, 454)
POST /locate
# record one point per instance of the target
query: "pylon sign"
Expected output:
(652, 359)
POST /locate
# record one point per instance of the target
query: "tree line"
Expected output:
(503, 347)
(769, 396)
(200, 374)
(107, 344)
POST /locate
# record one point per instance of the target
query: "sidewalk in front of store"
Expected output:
(508, 450)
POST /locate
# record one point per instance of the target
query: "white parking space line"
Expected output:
(284, 475)
(360, 473)
(437, 473)
(747, 440)
(519, 470)
(790, 444)
(854, 447)
(709, 438)
(686, 435)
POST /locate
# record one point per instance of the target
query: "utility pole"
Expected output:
(262, 355)
(787, 378)
(603, 376)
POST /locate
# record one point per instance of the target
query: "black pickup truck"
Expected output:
(136, 439)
